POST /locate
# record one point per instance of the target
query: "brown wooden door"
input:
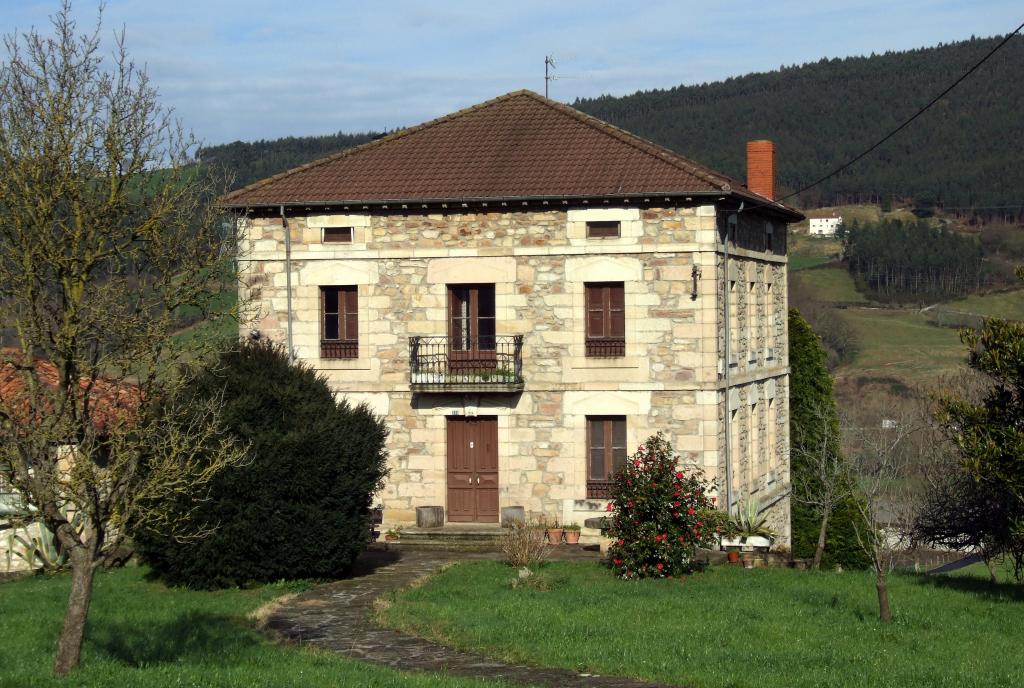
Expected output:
(473, 469)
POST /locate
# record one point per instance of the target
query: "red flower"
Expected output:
(660, 566)
(630, 504)
(690, 511)
(621, 542)
(617, 562)
(676, 504)
(679, 474)
(609, 507)
(681, 539)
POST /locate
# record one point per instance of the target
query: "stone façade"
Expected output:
(672, 378)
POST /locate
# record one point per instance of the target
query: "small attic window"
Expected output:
(603, 229)
(337, 235)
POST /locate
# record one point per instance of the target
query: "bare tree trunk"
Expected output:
(69, 647)
(882, 586)
(991, 564)
(821, 539)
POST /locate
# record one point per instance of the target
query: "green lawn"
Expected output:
(832, 285)
(730, 627)
(142, 634)
(901, 344)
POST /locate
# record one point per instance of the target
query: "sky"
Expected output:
(252, 69)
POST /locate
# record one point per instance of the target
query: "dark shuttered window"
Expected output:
(339, 322)
(602, 229)
(337, 235)
(606, 452)
(606, 319)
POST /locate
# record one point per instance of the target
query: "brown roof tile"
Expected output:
(520, 145)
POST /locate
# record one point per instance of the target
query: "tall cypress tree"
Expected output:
(811, 392)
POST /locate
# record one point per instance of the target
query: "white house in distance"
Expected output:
(825, 226)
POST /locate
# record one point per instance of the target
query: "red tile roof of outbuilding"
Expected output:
(517, 146)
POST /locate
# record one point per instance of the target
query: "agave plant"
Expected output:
(750, 522)
(42, 551)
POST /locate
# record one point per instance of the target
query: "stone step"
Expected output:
(463, 538)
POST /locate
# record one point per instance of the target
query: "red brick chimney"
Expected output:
(761, 168)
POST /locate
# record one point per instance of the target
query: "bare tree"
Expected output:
(106, 233)
(827, 483)
(882, 459)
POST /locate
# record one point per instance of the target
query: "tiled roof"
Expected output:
(520, 145)
(111, 402)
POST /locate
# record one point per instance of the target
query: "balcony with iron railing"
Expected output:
(484, 364)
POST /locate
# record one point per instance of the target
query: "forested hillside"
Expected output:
(249, 162)
(966, 151)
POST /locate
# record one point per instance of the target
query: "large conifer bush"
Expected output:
(300, 508)
(810, 397)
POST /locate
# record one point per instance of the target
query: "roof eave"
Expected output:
(785, 212)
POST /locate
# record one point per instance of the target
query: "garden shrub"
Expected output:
(658, 514)
(300, 507)
(810, 397)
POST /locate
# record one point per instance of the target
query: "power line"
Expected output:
(902, 126)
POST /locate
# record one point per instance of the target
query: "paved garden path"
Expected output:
(335, 617)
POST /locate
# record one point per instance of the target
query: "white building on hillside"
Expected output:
(825, 226)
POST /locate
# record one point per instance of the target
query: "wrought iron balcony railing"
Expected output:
(484, 363)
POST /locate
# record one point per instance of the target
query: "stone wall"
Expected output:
(539, 259)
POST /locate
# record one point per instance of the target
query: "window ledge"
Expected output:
(584, 362)
(343, 364)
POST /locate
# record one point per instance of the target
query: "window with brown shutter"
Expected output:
(337, 235)
(606, 453)
(606, 319)
(339, 322)
(602, 229)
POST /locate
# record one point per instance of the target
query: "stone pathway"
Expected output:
(335, 617)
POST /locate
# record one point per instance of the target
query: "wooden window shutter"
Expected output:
(606, 319)
(339, 322)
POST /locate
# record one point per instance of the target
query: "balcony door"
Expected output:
(473, 469)
(471, 327)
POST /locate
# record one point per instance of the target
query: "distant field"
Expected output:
(901, 344)
(1009, 305)
(832, 284)
(806, 262)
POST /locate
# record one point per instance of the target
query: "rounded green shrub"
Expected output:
(659, 514)
(300, 507)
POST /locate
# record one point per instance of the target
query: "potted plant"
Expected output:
(554, 532)
(393, 534)
(572, 534)
(748, 530)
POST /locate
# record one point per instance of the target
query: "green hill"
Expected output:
(965, 151)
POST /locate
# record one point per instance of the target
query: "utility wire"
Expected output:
(901, 127)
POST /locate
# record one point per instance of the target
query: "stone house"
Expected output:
(526, 293)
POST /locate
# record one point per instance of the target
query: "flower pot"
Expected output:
(572, 537)
(748, 560)
(554, 536)
(733, 556)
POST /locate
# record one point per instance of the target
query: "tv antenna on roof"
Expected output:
(549, 61)
(549, 67)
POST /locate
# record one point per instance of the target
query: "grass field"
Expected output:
(1008, 305)
(144, 635)
(832, 284)
(730, 627)
(901, 344)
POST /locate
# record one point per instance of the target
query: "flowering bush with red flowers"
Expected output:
(660, 514)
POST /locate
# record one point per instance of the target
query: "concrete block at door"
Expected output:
(512, 514)
(429, 516)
